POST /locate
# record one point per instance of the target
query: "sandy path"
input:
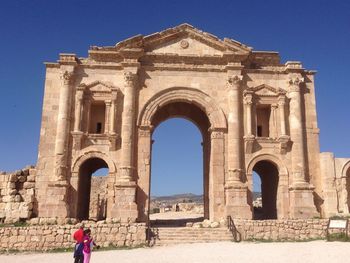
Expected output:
(308, 252)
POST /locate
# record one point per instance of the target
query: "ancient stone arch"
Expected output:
(282, 198)
(189, 95)
(216, 126)
(229, 90)
(92, 154)
(78, 163)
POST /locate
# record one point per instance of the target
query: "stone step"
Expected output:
(177, 235)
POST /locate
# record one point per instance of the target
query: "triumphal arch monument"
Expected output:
(254, 112)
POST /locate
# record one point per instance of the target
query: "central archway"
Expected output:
(200, 109)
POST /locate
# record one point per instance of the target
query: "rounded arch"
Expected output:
(345, 169)
(282, 169)
(179, 94)
(89, 155)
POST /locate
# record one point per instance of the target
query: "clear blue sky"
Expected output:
(31, 32)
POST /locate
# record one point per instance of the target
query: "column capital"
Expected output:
(248, 99)
(282, 100)
(274, 106)
(67, 77)
(234, 81)
(79, 94)
(216, 134)
(130, 78)
(295, 83)
(108, 102)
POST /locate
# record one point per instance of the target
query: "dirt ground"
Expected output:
(303, 252)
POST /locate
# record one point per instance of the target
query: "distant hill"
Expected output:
(187, 197)
(178, 198)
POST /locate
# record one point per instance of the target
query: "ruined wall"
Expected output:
(98, 197)
(282, 230)
(17, 195)
(46, 237)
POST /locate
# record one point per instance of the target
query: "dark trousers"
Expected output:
(79, 259)
(78, 253)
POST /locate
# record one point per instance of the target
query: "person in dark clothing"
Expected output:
(78, 236)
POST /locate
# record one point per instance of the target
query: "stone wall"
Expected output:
(17, 195)
(98, 198)
(48, 237)
(282, 230)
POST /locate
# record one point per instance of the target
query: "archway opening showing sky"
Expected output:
(177, 158)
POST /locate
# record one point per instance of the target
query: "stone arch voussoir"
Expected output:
(346, 168)
(189, 95)
(282, 169)
(89, 155)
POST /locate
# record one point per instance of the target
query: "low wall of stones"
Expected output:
(49, 237)
(282, 230)
(17, 195)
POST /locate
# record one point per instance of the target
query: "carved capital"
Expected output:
(67, 77)
(295, 82)
(79, 95)
(145, 131)
(248, 99)
(130, 78)
(281, 100)
(217, 135)
(234, 81)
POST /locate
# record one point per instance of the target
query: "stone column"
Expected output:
(216, 175)
(112, 116)
(62, 130)
(107, 116)
(297, 129)
(281, 107)
(77, 131)
(249, 102)
(249, 137)
(236, 190)
(78, 107)
(301, 192)
(125, 208)
(234, 130)
(127, 132)
(144, 170)
(272, 122)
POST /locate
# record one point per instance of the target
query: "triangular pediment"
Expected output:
(183, 40)
(98, 86)
(265, 90)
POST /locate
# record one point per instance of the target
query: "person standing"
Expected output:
(88, 245)
(78, 236)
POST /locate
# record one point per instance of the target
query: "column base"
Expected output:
(302, 201)
(124, 208)
(237, 201)
(55, 204)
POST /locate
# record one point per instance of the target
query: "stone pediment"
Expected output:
(98, 87)
(265, 90)
(184, 40)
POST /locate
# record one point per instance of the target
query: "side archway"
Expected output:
(345, 183)
(274, 186)
(85, 203)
